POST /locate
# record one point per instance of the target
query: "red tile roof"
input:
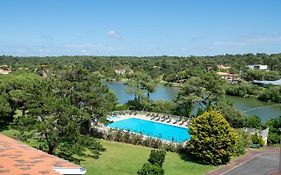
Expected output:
(17, 158)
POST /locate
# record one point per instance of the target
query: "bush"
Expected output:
(157, 157)
(243, 142)
(150, 169)
(213, 140)
(253, 122)
(154, 165)
(273, 137)
(256, 139)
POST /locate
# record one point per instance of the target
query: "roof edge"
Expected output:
(69, 171)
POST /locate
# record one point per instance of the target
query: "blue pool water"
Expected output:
(153, 129)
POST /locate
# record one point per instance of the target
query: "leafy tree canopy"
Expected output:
(212, 138)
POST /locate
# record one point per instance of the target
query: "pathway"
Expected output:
(241, 163)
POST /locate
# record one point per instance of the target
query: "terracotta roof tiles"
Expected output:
(17, 158)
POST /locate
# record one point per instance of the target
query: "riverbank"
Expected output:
(167, 93)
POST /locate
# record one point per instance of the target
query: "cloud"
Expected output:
(114, 34)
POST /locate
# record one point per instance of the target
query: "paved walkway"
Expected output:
(251, 154)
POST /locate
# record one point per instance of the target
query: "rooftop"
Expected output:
(277, 82)
(18, 158)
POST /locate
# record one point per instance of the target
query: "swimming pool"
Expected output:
(153, 129)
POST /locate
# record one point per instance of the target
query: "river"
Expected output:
(264, 110)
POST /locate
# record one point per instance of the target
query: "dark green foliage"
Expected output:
(271, 93)
(231, 114)
(154, 165)
(243, 89)
(157, 157)
(243, 142)
(204, 91)
(251, 75)
(274, 130)
(54, 109)
(253, 122)
(212, 138)
(150, 169)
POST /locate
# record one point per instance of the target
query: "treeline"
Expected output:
(247, 89)
(167, 68)
(170, 70)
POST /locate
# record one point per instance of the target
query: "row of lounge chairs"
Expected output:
(158, 117)
(168, 119)
(124, 113)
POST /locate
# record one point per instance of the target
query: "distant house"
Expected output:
(120, 71)
(266, 83)
(4, 69)
(232, 78)
(258, 66)
(19, 158)
(263, 133)
(223, 67)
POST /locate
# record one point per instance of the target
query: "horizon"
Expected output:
(125, 28)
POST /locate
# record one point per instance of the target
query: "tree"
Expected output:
(257, 139)
(157, 157)
(235, 117)
(204, 91)
(253, 122)
(139, 84)
(154, 165)
(58, 110)
(274, 132)
(212, 138)
(16, 91)
(150, 169)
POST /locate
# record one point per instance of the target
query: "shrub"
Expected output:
(150, 169)
(213, 140)
(256, 139)
(273, 137)
(157, 157)
(243, 142)
(154, 165)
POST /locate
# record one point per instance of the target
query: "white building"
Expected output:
(257, 66)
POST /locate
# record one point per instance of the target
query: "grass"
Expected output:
(126, 159)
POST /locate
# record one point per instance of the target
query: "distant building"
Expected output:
(4, 69)
(120, 71)
(266, 83)
(19, 158)
(257, 66)
(223, 67)
(232, 78)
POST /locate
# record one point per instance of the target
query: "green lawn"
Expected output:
(125, 159)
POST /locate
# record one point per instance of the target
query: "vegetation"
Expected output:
(274, 130)
(257, 140)
(154, 165)
(55, 109)
(55, 101)
(117, 159)
(212, 138)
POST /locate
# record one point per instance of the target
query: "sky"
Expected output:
(139, 27)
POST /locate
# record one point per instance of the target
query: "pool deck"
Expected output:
(144, 117)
